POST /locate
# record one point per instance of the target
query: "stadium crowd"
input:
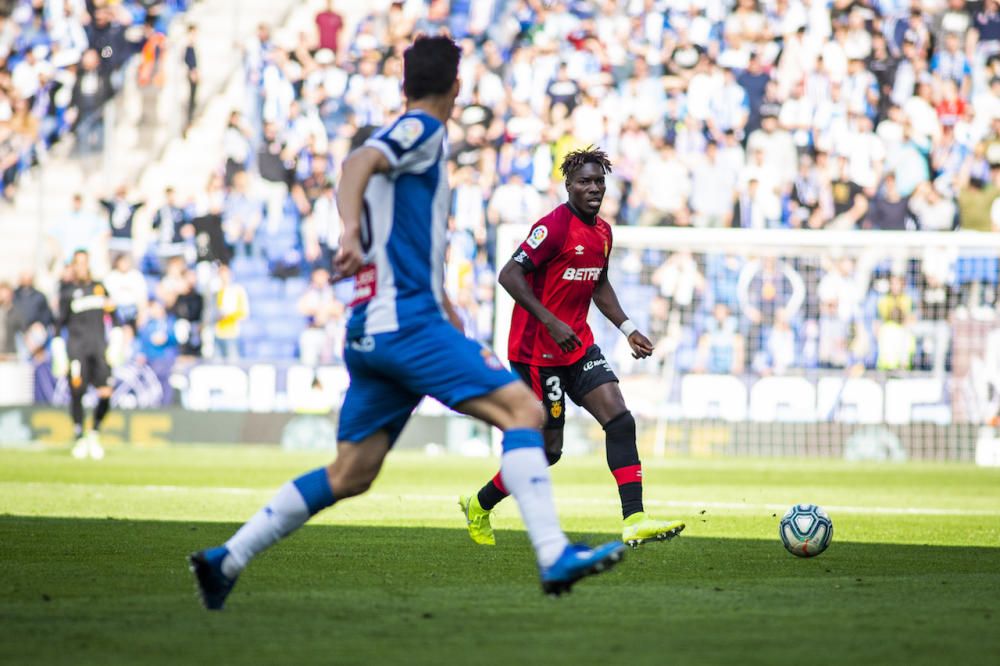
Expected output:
(60, 62)
(806, 114)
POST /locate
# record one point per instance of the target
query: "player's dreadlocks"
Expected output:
(576, 159)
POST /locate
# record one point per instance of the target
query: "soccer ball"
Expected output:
(806, 530)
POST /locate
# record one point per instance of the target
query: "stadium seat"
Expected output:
(263, 288)
(285, 329)
(295, 287)
(248, 267)
(977, 269)
(269, 308)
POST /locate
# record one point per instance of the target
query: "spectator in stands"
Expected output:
(329, 25)
(713, 189)
(323, 313)
(236, 146)
(10, 325)
(850, 205)
(242, 216)
(780, 348)
(188, 310)
(932, 207)
(79, 229)
(720, 347)
(805, 211)
(889, 211)
(172, 232)
(121, 217)
(31, 304)
(322, 229)
(159, 346)
(307, 190)
(681, 283)
(766, 286)
(193, 75)
(514, 202)
(896, 300)
(663, 187)
(272, 166)
(127, 290)
(896, 344)
(85, 114)
(231, 307)
(209, 236)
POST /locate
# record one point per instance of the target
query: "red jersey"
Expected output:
(568, 257)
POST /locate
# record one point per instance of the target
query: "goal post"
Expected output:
(856, 344)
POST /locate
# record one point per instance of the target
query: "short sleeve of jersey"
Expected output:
(412, 144)
(545, 240)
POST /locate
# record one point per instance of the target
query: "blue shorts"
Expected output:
(391, 373)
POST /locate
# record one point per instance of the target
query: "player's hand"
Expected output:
(350, 258)
(640, 344)
(563, 335)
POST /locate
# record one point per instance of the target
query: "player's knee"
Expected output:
(621, 427)
(350, 480)
(525, 410)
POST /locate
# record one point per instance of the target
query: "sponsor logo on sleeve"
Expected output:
(406, 132)
(521, 257)
(539, 234)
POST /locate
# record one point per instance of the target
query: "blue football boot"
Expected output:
(579, 561)
(213, 585)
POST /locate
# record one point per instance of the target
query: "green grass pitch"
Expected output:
(92, 567)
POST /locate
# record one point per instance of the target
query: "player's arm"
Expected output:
(512, 278)
(606, 301)
(358, 169)
(449, 310)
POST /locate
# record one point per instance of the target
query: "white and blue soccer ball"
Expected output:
(806, 530)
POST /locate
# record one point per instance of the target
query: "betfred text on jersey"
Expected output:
(582, 274)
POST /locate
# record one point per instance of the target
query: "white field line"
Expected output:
(589, 501)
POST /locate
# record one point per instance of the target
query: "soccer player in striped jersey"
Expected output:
(553, 276)
(404, 342)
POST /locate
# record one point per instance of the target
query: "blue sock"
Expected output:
(290, 508)
(522, 438)
(315, 489)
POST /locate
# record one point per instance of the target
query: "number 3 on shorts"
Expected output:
(555, 389)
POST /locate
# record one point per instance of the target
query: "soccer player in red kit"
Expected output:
(556, 272)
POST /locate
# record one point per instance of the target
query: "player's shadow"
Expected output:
(118, 591)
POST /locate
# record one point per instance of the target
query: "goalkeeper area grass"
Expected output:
(93, 570)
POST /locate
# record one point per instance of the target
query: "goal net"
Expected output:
(863, 345)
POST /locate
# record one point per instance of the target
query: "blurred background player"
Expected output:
(83, 304)
(553, 277)
(404, 342)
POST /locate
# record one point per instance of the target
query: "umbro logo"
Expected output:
(579, 249)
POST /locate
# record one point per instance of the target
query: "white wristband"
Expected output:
(627, 327)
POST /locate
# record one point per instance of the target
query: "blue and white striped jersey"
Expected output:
(403, 229)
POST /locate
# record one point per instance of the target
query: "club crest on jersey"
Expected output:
(406, 132)
(579, 250)
(540, 233)
(555, 410)
(582, 274)
(490, 359)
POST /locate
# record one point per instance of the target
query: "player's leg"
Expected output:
(100, 377)
(77, 388)
(600, 395)
(546, 384)
(371, 418)
(461, 374)
(524, 468)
